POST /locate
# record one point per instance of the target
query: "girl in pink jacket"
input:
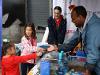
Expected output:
(28, 43)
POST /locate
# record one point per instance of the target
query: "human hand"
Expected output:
(39, 54)
(52, 48)
(87, 72)
(40, 49)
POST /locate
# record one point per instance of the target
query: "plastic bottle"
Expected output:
(45, 67)
(62, 69)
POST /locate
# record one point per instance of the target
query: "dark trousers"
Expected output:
(25, 68)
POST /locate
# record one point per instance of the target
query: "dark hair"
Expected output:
(80, 10)
(58, 8)
(6, 46)
(33, 30)
(71, 7)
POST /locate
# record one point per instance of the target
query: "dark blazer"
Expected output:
(56, 34)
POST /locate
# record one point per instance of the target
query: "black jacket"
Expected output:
(56, 34)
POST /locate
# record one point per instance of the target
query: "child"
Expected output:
(10, 62)
(29, 43)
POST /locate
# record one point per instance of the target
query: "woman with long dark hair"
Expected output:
(29, 43)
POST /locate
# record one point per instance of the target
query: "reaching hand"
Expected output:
(86, 72)
(39, 53)
(52, 48)
(40, 49)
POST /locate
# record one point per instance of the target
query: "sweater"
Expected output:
(10, 65)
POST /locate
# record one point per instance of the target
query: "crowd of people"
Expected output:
(87, 33)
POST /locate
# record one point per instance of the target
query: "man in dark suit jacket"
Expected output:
(57, 27)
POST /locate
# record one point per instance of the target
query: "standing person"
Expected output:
(10, 62)
(89, 29)
(57, 27)
(29, 43)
